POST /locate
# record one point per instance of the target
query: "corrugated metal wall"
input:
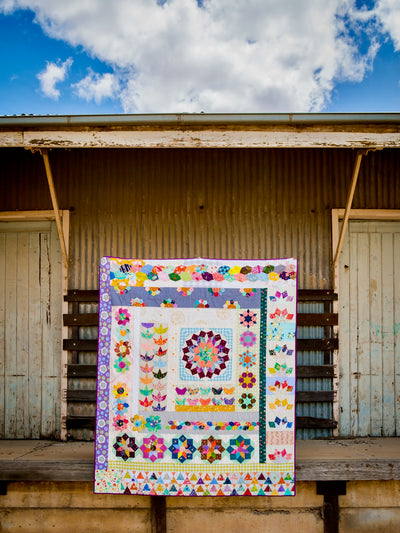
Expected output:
(224, 203)
(233, 203)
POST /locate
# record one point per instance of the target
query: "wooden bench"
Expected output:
(315, 340)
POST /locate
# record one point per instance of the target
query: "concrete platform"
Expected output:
(316, 460)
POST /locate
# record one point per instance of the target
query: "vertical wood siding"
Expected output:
(369, 326)
(29, 330)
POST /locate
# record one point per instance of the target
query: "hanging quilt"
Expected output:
(196, 377)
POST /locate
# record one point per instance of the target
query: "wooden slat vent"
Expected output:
(326, 343)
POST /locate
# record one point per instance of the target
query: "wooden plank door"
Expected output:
(30, 330)
(369, 323)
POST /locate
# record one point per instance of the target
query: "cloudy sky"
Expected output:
(228, 56)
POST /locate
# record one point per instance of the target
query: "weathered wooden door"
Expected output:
(30, 322)
(369, 324)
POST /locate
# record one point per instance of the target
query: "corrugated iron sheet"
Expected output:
(223, 203)
(234, 203)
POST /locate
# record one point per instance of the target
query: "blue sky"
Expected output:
(28, 51)
(144, 56)
(378, 92)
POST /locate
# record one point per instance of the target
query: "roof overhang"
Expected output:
(360, 131)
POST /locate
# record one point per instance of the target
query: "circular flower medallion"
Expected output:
(248, 318)
(248, 339)
(206, 354)
(247, 401)
(247, 380)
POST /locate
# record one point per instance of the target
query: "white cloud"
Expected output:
(388, 12)
(241, 56)
(8, 6)
(96, 87)
(52, 75)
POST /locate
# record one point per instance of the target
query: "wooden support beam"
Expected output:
(316, 295)
(158, 514)
(303, 295)
(315, 371)
(80, 319)
(349, 201)
(303, 319)
(82, 296)
(317, 319)
(81, 395)
(80, 345)
(331, 490)
(56, 209)
(315, 396)
(82, 371)
(317, 345)
(81, 422)
(89, 395)
(303, 422)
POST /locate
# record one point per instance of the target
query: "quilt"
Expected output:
(196, 377)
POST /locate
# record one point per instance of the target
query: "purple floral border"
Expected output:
(103, 367)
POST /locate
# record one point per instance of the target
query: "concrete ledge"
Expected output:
(358, 459)
(316, 460)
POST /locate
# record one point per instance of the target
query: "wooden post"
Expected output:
(331, 490)
(61, 224)
(158, 514)
(56, 209)
(349, 201)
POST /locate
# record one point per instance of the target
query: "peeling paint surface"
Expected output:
(207, 138)
(30, 330)
(369, 300)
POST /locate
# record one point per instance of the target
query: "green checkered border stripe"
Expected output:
(212, 468)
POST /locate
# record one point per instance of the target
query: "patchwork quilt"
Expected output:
(196, 377)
